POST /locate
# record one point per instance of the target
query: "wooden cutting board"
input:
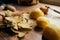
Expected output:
(32, 35)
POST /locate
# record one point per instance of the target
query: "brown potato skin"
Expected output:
(44, 9)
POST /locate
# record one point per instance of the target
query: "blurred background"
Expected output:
(9, 1)
(54, 2)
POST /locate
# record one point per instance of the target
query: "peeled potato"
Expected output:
(52, 32)
(42, 22)
(36, 13)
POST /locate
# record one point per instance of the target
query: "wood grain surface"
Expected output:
(5, 34)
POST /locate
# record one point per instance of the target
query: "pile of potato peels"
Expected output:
(23, 22)
(20, 23)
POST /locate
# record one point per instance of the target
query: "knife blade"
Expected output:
(53, 9)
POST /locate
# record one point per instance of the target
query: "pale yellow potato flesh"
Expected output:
(21, 34)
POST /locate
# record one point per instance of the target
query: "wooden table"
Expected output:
(32, 35)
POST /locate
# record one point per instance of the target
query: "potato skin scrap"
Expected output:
(14, 30)
(15, 27)
(24, 26)
(8, 13)
(21, 34)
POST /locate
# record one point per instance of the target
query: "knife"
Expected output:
(53, 9)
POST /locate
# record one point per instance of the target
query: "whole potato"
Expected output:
(44, 9)
(36, 13)
(42, 22)
(52, 32)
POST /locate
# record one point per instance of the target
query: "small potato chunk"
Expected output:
(21, 34)
(42, 22)
(36, 13)
(52, 32)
